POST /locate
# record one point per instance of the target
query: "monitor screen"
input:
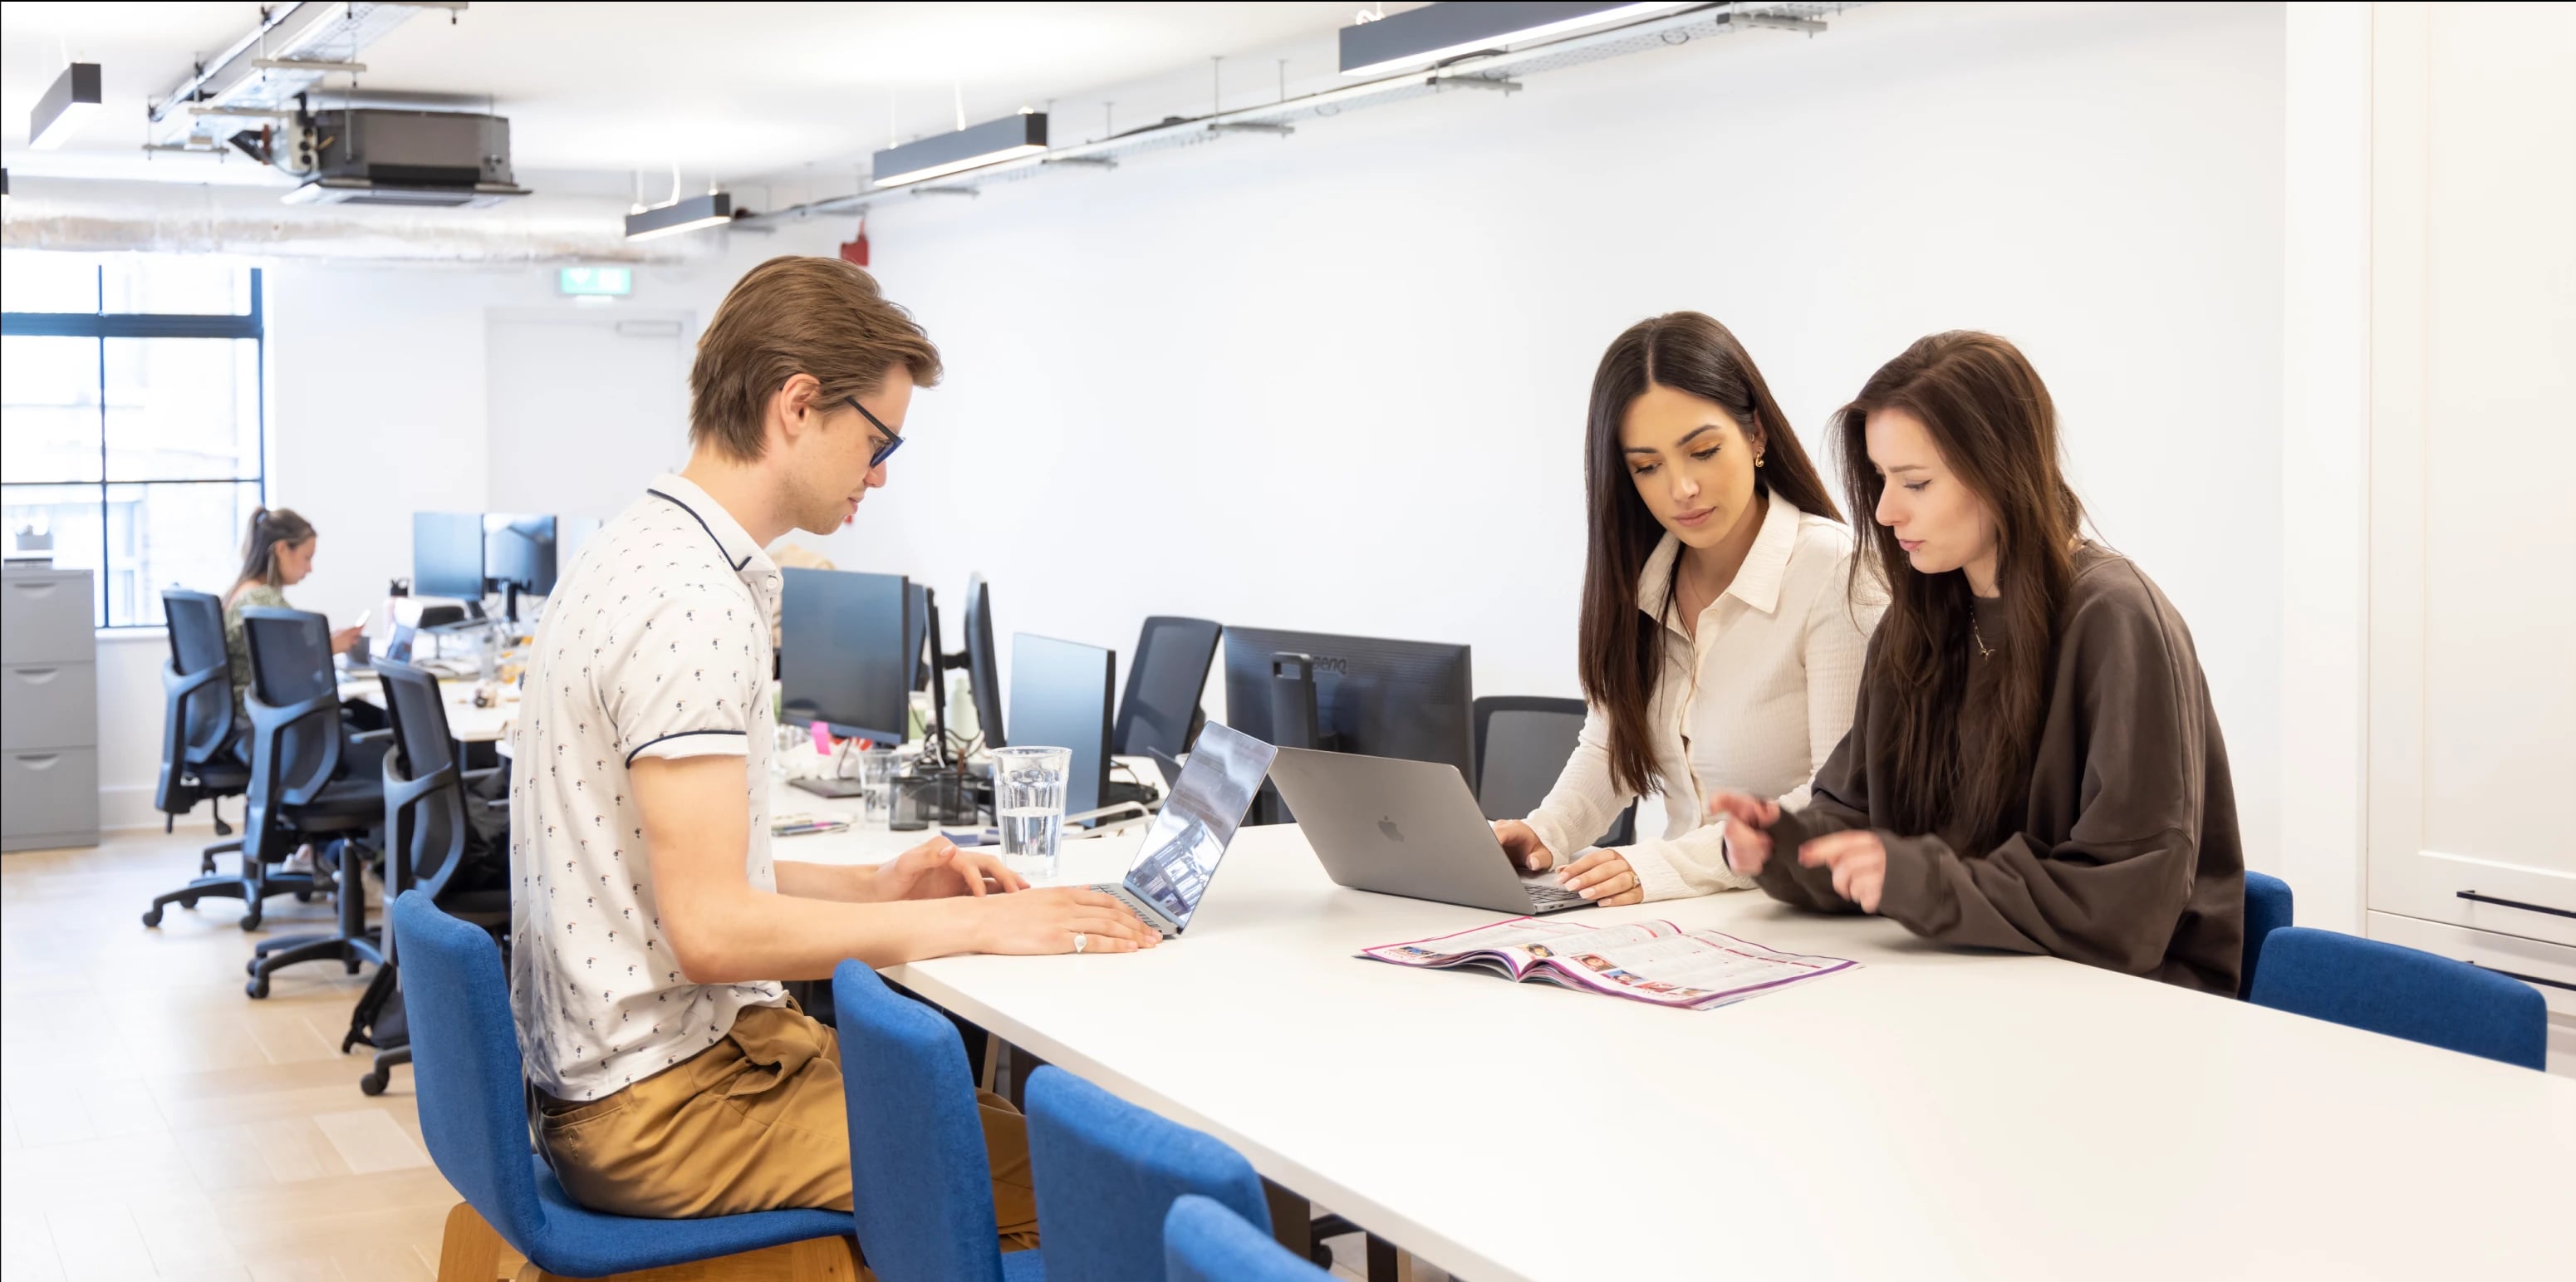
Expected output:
(841, 652)
(1060, 699)
(1198, 822)
(520, 550)
(984, 662)
(447, 555)
(1408, 699)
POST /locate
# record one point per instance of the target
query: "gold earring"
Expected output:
(1757, 459)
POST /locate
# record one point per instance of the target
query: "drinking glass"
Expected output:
(876, 781)
(1028, 800)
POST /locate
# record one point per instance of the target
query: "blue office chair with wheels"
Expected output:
(473, 1112)
(1107, 1172)
(2403, 992)
(1205, 1242)
(922, 1189)
(2267, 909)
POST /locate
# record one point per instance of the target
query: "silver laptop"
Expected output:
(1180, 854)
(1408, 828)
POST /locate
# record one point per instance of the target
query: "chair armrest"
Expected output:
(372, 736)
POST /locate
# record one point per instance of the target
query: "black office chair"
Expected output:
(1521, 747)
(1159, 713)
(309, 783)
(433, 822)
(200, 751)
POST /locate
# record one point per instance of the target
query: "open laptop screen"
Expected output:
(1198, 821)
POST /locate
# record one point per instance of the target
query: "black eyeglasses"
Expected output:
(892, 441)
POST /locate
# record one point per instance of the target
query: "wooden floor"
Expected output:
(155, 1122)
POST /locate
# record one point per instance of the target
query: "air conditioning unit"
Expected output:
(380, 156)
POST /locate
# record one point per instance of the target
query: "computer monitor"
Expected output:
(1060, 698)
(1410, 699)
(841, 659)
(917, 641)
(519, 554)
(447, 555)
(984, 661)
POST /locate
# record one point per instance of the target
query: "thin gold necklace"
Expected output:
(1978, 635)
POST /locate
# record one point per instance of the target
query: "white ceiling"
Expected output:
(723, 91)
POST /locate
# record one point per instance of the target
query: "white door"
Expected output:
(2472, 686)
(586, 407)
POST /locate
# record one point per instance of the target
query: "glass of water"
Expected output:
(876, 781)
(1028, 799)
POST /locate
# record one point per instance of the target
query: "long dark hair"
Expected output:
(268, 530)
(1991, 418)
(1621, 649)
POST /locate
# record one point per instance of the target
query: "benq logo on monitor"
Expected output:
(1341, 667)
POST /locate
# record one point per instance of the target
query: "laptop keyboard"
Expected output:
(1551, 897)
(1145, 913)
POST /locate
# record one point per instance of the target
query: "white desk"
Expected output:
(465, 722)
(1932, 1114)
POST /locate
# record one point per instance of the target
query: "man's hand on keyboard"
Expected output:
(1604, 877)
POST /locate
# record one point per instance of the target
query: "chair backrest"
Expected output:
(465, 1066)
(424, 790)
(2267, 909)
(1107, 1172)
(294, 717)
(1205, 1242)
(1159, 710)
(923, 1196)
(2403, 992)
(196, 622)
(1522, 745)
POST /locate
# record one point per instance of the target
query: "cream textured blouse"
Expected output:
(1753, 704)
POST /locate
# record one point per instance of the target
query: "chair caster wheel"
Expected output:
(251, 967)
(1321, 1253)
(152, 916)
(373, 1083)
(250, 920)
(304, 896)
(350, 965)
(189, 903)
(257, 987)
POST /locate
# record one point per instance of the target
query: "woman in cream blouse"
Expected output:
(1722, 631)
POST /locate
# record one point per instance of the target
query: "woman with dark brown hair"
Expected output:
(2035, 764)
(1720, 647)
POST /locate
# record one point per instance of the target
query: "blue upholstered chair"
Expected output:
(1107, 1172)
(1205, 1242)
(2267, 909)
(473, 1112)
(924, 1192)
(2403, 992)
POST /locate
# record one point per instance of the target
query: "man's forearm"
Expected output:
(847, 883)
(748, 936)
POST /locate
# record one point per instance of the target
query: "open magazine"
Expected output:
(1650, 961)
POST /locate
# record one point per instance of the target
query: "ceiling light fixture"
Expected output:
(989, 143)
(713, 209)
(74, 95)
(1436, 33)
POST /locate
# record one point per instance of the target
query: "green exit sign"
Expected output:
(597, 282)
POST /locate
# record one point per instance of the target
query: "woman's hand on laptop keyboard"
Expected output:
(1604, 877)
(1060, 920)
(1521, 842)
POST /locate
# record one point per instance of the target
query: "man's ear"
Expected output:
(793, 410)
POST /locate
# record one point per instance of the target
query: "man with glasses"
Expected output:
(671, 1075)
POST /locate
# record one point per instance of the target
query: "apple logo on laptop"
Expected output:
(1392, 832)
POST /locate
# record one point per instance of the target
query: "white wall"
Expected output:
(1336, 381)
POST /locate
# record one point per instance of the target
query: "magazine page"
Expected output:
(1519, 942)
(1699, 969)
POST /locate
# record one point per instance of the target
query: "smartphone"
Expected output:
(363, 616)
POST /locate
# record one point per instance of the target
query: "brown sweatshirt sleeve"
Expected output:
(2110, 891)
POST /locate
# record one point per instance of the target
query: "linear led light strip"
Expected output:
(1496, 29)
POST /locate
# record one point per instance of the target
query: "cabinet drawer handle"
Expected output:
(2528, 979)
(40, 589)
(40, 761)
(2515, 903)
(37, 676)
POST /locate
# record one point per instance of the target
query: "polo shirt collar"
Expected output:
(732, 541)
(1757, 581)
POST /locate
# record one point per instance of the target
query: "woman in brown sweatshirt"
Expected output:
(2034, 763)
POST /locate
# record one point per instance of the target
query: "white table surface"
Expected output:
(1931, 1114)
(465, 722)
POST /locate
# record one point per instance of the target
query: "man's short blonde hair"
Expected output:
(797, 315)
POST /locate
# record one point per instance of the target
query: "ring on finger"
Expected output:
(1080, 941)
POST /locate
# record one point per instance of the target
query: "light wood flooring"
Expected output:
(157, 1123)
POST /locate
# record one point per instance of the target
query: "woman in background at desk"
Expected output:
(276, 555)
(1721, 645)
(2035, 764)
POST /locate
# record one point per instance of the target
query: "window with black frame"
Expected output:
(133, 419)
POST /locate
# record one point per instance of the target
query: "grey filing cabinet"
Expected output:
(48, 710)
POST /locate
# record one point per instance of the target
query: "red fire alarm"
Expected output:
(855, 250)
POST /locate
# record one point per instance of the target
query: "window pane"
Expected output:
(164, 536)
(182, 408)
(39, 282)
(67, 512)
(176, 286)
(48, 408)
